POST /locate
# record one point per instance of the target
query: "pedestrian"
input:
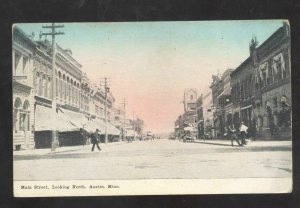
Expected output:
(95, 140)
(233, 136)
(243, 132)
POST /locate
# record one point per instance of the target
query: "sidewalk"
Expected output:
(259, 143)
(63, 150)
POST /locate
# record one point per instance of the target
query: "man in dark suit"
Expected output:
(95, 140)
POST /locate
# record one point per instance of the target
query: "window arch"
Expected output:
(45, 93)
(26, 105)
(18, 103)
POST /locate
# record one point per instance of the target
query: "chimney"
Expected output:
(252, 45)
(252, 48)
(286, 27)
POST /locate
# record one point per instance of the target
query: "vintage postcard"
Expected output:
(152, 108)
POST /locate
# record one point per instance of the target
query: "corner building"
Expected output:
(261, 87)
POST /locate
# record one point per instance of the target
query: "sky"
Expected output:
(151, 63)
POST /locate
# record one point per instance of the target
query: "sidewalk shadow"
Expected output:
(213, 143)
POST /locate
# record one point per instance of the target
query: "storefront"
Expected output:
(22, 117)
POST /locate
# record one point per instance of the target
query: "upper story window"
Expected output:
(264, 74)
(17, 63)
(24, 67)
(278, 67)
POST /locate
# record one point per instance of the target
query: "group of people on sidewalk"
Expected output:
(240, 136)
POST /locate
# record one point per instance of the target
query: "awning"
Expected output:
(64, 123)
(112, 130)
(94, 124)
(189, 128)
(77, 119)
(43, 120)
(131, 133)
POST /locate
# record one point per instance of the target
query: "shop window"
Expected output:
(24, 121)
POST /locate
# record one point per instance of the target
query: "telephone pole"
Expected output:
(53, 33)
(124, 122)
(106, 89)
(133, 125)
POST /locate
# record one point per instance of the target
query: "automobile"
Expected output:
(150, 135)
(172, 136)
(190, 134)
(208, 135)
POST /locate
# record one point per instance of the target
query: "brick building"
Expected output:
(261, 90)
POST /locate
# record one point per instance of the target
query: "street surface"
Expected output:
(158, 159)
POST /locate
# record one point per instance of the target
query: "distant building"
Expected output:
(217, 88)
(221, 95)
(208, 109)
(189, 116)
(200, 118)
(189, 100)
(225, 99)
(97, 104)
(85, 95)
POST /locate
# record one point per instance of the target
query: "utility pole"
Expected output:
(133, 125)
(124, 122)
(53, 33)
(106, 89)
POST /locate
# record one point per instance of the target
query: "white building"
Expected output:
(208, 109)
(23, 96)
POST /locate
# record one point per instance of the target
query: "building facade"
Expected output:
(189, 116)
(208, 108)
(98, 102)
(23, 49)
(261, 90)
(85, 95)
(217, 88)
(200, 118)
(273, 83)
(78, 103)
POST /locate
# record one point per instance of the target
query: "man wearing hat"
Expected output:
(95, 140)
